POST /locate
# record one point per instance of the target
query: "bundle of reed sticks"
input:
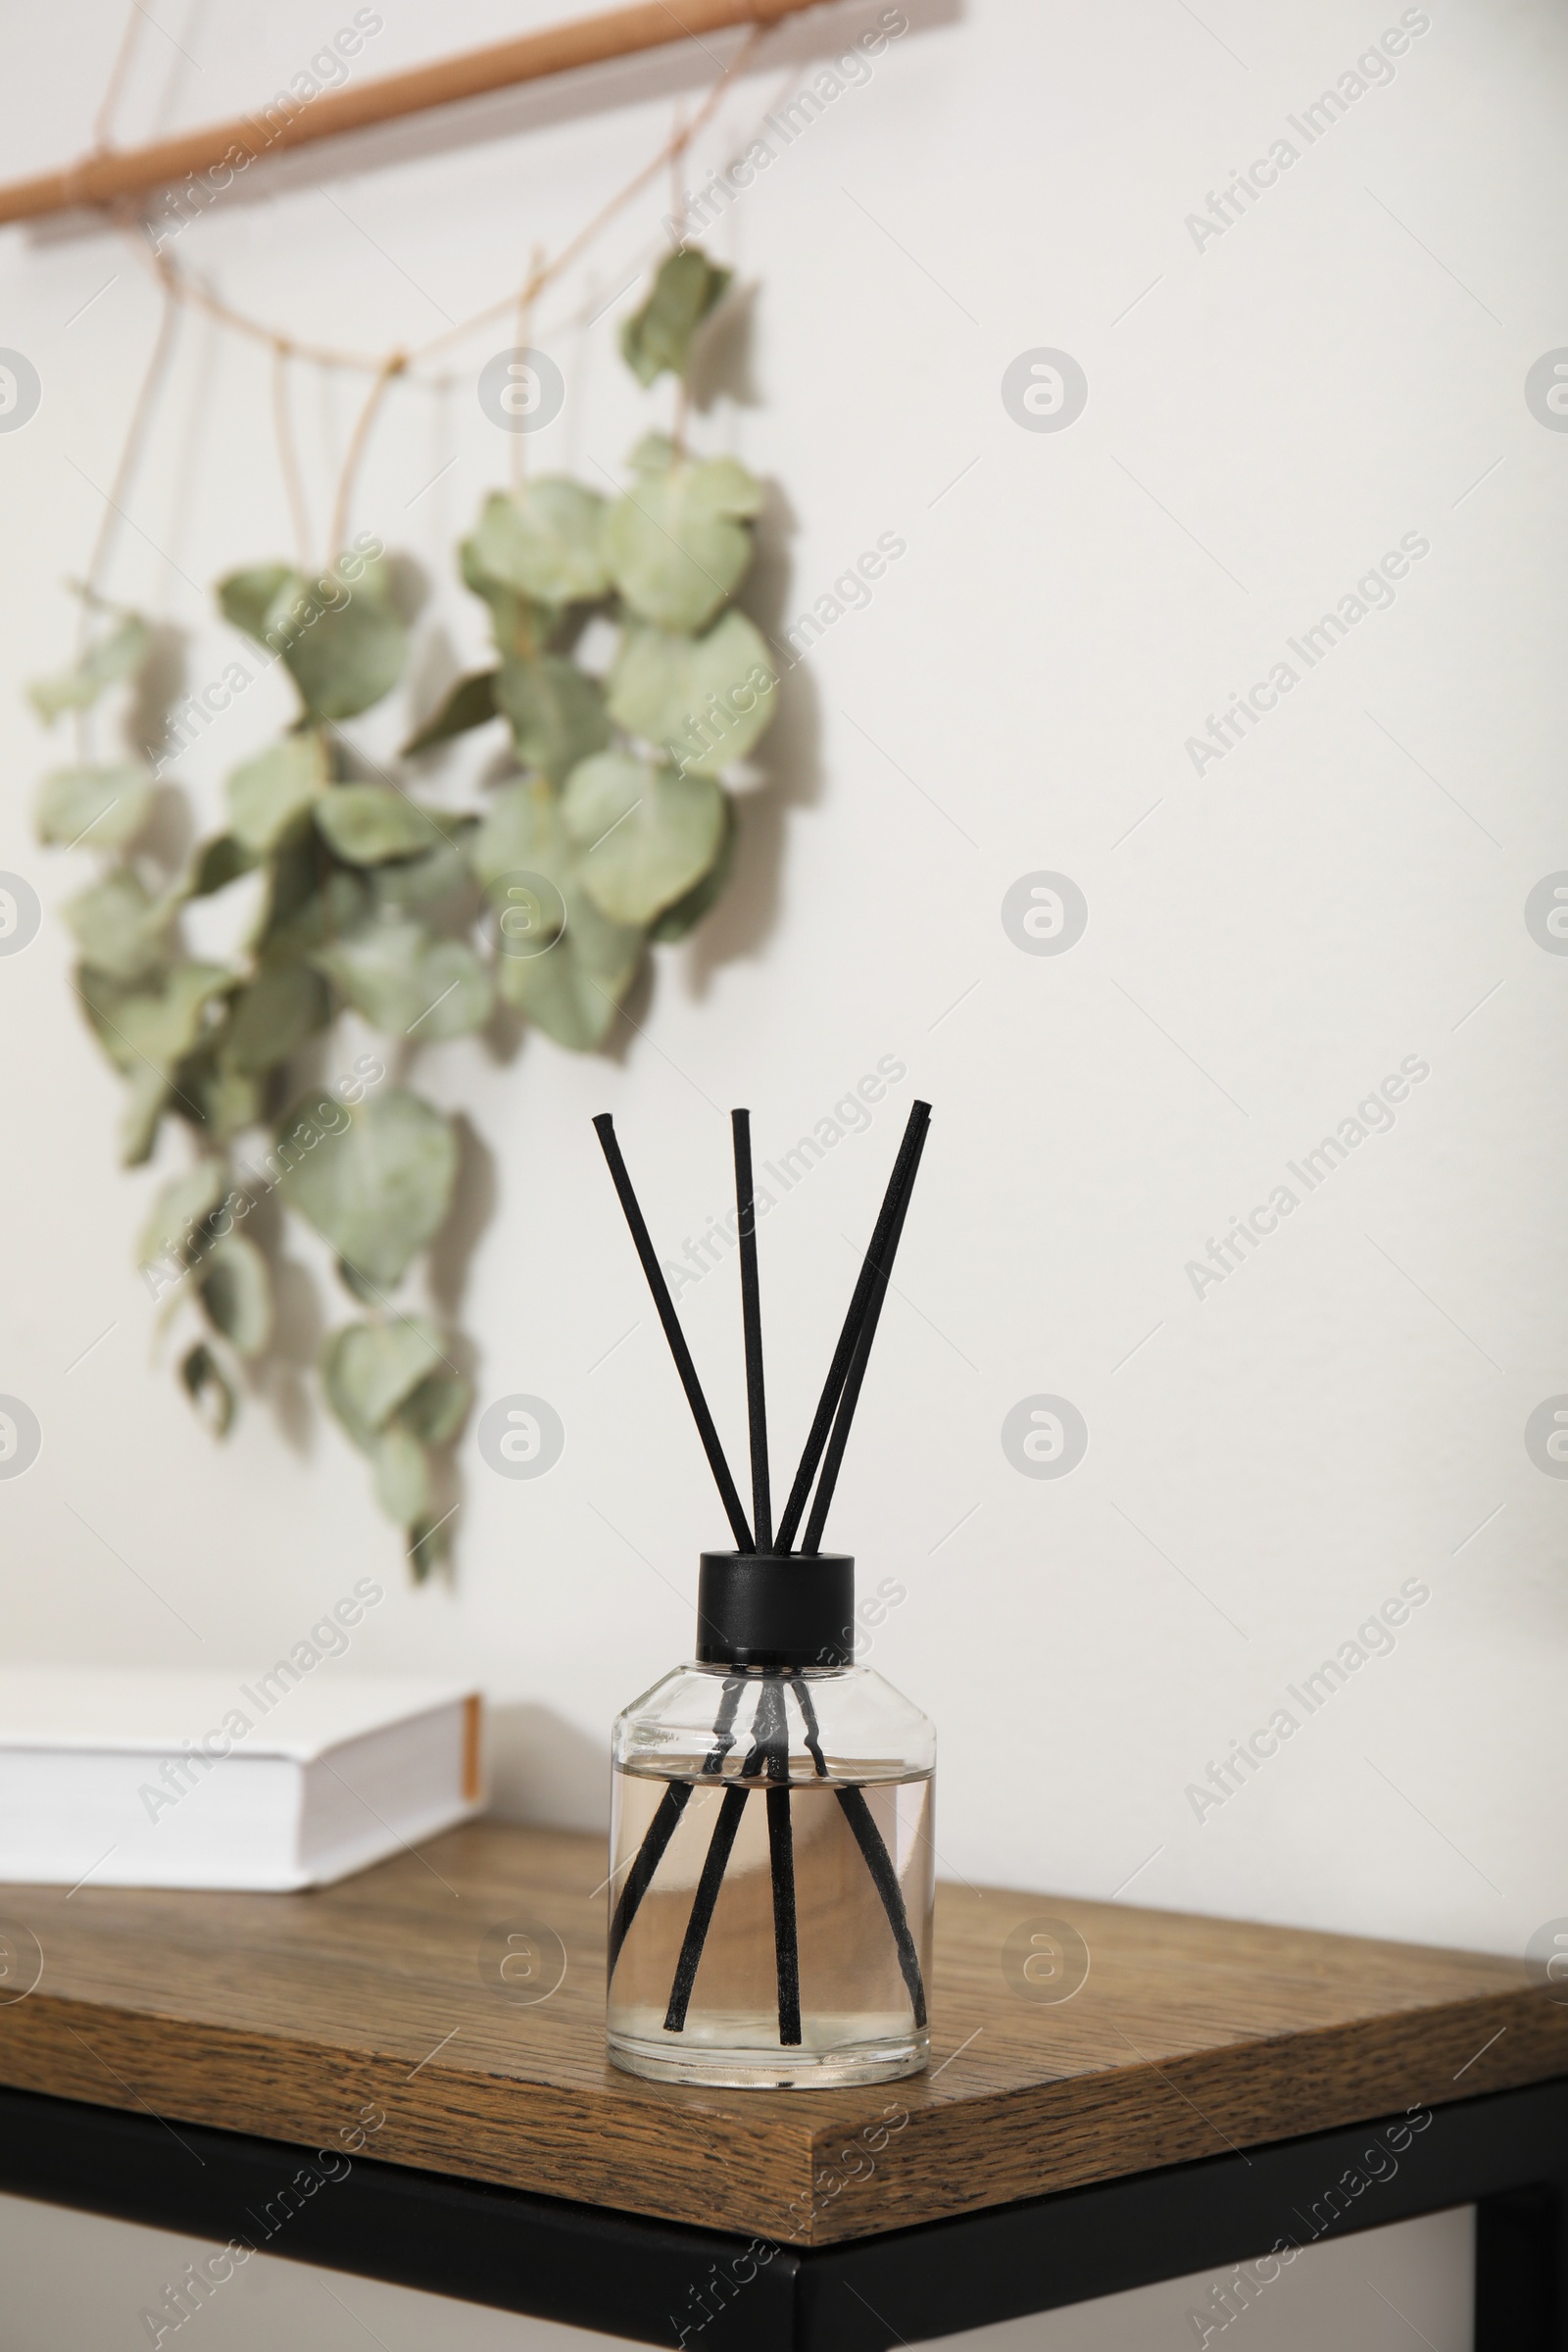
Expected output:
(764, 1765)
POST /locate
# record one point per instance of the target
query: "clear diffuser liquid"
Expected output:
(860, 1989)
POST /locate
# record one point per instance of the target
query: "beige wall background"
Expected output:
(1271, 410)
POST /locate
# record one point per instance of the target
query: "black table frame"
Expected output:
(1507, 2154)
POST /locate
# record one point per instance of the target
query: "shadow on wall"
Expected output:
(545, 1770)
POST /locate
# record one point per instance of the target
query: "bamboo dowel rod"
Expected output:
(586, 41)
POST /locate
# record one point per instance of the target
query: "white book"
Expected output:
(273, 1779)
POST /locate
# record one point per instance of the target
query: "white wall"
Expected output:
(1342, 891)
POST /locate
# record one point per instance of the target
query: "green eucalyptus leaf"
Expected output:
(520, 832)
(343, 641)
(266, 794)
(121, 928)
(522, 627)
(561, 993)
(471, 703)
(677, 542)
(416, 883)
(104, 665)
(658, 335)
(375, 1181)
(151, 1028)
(146, 1101)
(703, 701)
(409, 983)
(402, 1474)
(646, 833)
(237, 1293)
(272, 1015)
(429, 1544)
(173, 1226)
(107, 806)
(355, 1284)
(212, 1097)
(573, 987)
(436, 1409)
(654, 455)
(367, 823)
(305, 910)
(368, 1369)
(202, 1377)
(544, 542)
(687, 912)
(221, 861)
(257, 601)
(555, 711)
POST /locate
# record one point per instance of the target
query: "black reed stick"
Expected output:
(781, 1862)
(811, 1542)
(752, 1321)
(767, 1756)
(814, 1734)
(716, 1861)
(724, 1735)
(604, 1127)
(649, 1855)
(879, 1862)
(919, 1114)
(786, 1944)
(659, 1831)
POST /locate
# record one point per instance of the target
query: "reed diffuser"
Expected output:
(770, 1839)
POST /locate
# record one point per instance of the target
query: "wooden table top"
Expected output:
(288, 2014)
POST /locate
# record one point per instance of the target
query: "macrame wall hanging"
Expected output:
(610, 830)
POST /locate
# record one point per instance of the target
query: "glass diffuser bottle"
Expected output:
(771, 1878)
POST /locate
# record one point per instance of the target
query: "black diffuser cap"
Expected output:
(779, 1609)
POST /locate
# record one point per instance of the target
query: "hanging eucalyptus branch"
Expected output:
(611, 829)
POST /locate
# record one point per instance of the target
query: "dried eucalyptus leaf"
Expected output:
(106, 806)
(687, 912)
(659, 337)
(256, 601)
(267, 793)
(173, 1227)
(674, 542)
(520, 833)
(219, 1100)
(303, 912)
(237, 1293)
(283, 1005)
(401, 1475)
(415, 884)
(149, 1028)
(429, 1544)
(368, 1369)
(555, 711)
(343, 642)
(436, 1409)
(121, 928)
(646, 833)
(104, 665)
(471, 704)
(545, 542)
(146, 1101)
(703, 701)
(367, 823)
(204, 1383)
(572, 989)
(521, 626)
(221, 861)
(409, 983)
(375, 1181)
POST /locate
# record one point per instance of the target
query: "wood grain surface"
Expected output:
(289, 2014)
